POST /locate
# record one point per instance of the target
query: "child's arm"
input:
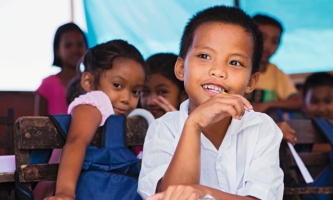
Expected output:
(193, 192)
(184, 167)
(292, 103)
(84, 123)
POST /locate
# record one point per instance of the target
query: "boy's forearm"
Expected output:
(184, 167)
(69, 168)
(218, 194)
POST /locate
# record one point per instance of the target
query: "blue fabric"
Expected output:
(110, 172)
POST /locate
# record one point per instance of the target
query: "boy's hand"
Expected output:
(164, 104)
(218, 107)
(174, 192)
(288, 132)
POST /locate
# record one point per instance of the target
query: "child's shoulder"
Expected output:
(97, 99)
(171, 122)
(264, 121)
(51, 79)
(266, 124)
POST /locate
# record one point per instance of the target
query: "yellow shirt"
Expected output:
(273, 85)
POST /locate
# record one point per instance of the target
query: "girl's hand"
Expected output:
(164, 104)
(174, 192)
(219, 107)
(60, 197)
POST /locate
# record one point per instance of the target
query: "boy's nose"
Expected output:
(218, 71)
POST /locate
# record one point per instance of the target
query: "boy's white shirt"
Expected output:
(247, 162)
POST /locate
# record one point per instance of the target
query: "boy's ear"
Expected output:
(253, 82)
(179, 69)
(87, 81)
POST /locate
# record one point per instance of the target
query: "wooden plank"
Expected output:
(306, 133)
(40, 133)
(38, 172)
(6, 177)
(308, 190)
(312, 158)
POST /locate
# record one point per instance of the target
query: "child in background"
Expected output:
(69, 45)
(275, 87)
(162, 92)
(113, 77)
(215, 144)
(275, 90)
(318, 96)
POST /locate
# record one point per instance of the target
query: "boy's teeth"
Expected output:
(214, 88)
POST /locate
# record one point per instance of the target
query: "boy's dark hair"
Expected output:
(164, 64)
(228, 15)
(317, 79)
(101, 57)
(60, 31)
(267, 20)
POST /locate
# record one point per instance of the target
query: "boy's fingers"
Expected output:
(157, 196)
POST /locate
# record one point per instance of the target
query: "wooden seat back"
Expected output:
(315, 161)
(37, 132)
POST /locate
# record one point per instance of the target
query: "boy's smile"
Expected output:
(219, 60)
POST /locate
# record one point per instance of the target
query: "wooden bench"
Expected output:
(38, 132)
(315, 161)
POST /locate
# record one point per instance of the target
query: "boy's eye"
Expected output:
(204, 56)
(117, 85)
(233, 62)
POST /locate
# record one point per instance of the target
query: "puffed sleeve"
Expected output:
(97, 99)
(264, 177)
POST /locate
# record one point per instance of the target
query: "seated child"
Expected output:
(318, 96)
(162, 92)
(215, 144)
(317, 103)
(113, 77)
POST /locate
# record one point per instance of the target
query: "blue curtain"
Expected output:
(156, 26)
(307, 42)
(151, 26)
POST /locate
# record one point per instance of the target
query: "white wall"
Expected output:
(26, 39)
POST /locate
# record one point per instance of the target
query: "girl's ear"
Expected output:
(179, 68)
(87, 81)
(253, 82)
